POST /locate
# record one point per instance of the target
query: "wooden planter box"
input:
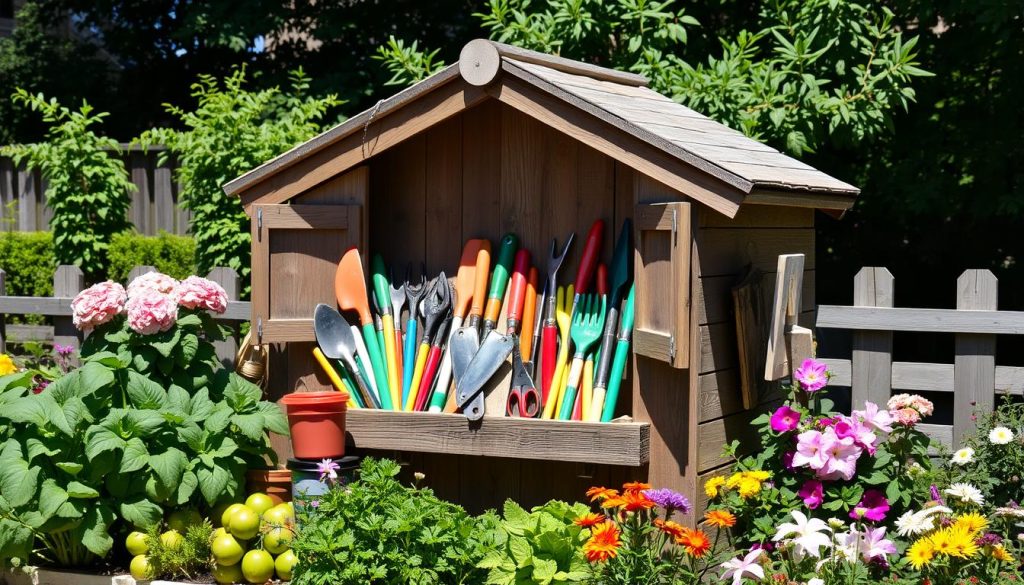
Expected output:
(515, 141)
(43, 576)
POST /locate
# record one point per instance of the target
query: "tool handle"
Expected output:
(444, 372)
(332, 375)
(619, 361)
(588, 262)
(517, 290)
(587, 394)
(602, 279)
(549, 348)
(356, 371)
(381, 288)
(409, 358)
(569, 401)
(604, 358)
(483, 268)
(391, 352)
(399, 355)
(417, 377)
(380, 373)
(499, 279)
(429, 374)
(529, 313)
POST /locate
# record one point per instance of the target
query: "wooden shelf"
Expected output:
(615, 443)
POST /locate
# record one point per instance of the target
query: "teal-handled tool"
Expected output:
(587, 325)
(350, 290)
(414, 293)
(499, 282)
(619, 361)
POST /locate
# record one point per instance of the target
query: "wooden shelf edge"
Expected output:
(625, 444)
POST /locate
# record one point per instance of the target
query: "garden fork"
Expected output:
(563, 304)
(587, 326)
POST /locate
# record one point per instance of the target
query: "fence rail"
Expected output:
(68, 281)
(973, 377)
(154, 202)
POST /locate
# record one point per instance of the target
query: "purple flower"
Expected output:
(785, 419)
(787, 459)
(63, 350)
(328, 469)
(935, 494)
(812, 375)
(315, 503)
(874, 545)
(989, 539)
(873, 506)
(670, 500)
(812, 493)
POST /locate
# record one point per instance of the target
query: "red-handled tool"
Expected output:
(529, 321)
(522, 399)
(602, 279)
(549, 330)
(433, 359)
(517, 290)
(588, 262)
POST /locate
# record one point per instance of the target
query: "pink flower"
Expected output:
(810, 450)
(200, 293)
(844, 427)
(150, 311)
(812, 375)
(840, 457)
(874, 545)
(97, 304)
(157, 281)
(876, 418)
(873, 506)
(922, 405)
(812, 493)
(907, 417)
(785, 419)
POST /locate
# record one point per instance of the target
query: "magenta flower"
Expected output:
(812, 493)
(785, 419)
(873, 506)
(812, 375)
(787, 459)
(844, 427)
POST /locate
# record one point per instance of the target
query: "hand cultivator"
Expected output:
(460, 349)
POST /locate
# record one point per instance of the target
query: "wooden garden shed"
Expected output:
(509, 140)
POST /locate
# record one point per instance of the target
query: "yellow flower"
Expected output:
(749, 487)
(734, 480)
(972, 523)
(921, 553)
(7, 365)
(712, 486)
(999, 553)
(758, 475)
(941, 542)
(962, 543)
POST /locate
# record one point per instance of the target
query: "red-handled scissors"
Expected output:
(523, 398)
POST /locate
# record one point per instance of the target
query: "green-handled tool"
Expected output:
(499, 281)
(350, 290)
(621, 277)
(382, 290)
(619, 361)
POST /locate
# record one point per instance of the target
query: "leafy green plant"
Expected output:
(542, 546)
(28, 259)
(376, 530)
(407, 64)
(231, 131)
(173, 255)
(992, 457)
(184, 559)
(87, 185)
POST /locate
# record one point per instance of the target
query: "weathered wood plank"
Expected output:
(974, 365)
(726, 251)
(141, 212)
(714, 300)
(871, 368)
(921, 320)
(714, 435)
(611, 443)
(761, 216)
(482, 156)
(68, 281)
(443, 193)
(227, 278)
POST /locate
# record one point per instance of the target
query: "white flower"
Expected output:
(1000, 436)
(966, 493)
(816, 581)
(1010, 512)
(913, 523)
(807, 536)
(963, 456)
(737, 568)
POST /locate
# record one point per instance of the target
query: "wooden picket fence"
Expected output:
(68, 281)
(154, 202)
(973, 377)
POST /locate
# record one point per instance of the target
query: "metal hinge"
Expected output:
(672, 347)
(259, 224)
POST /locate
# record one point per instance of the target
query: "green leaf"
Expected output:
(190, 320)
(250, 425)
(135, 455)
(166, 342)
(18, 482)
(544, 570)
(145, 393)
(16, 540)
(212, 482)
(95, 530)
(169, 467)
(274, 418)
(81, 491)
(99, 439)
(522, 552)
(51, 498)
(241, 395)
(187, 487)
(516, 519)
(141, 512)
(70, 468)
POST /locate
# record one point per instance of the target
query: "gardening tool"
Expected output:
(521, 381)
(340, 383)
(362, 358)
(464, 343)
(436, 306)
(397, 304)
(601, 282)
(549, 305)
(529, 323)
(588, 262)
(383, 295)
(463, 294)
(587, 389)
(587, 325)
(415, 293)
(621, 276)
(564, 319)
(523, 399)
(607, 405)
(378, 327)
(335, 338)
(429, 374)
(499, 281)
(350, 289)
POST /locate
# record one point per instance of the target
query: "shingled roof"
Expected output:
(610, 110)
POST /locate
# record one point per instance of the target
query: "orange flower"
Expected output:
(670, 528)
(635, 487)
(601, 493)
(589, 519)
(615, 501)
(635, 501)
(694, 542)
(720, 519)
(604, 542)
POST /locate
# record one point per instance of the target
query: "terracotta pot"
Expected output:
(276, 483)
(317, 422)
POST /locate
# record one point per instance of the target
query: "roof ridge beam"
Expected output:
(480, 64)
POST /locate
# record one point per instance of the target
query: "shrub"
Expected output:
(87, 184)
(540, 546)
(28, 260)
(186, 559)
(170, 254)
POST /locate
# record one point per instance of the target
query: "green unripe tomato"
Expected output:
(137, 543)
(277, 540)
(259, 503)
(229, 574)
(244, 524)
(140, 568)
(257, 566)
(284, 563)
(226, 550)
(225, 517)
(171, 539)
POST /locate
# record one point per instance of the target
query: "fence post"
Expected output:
(3, 326)
(68, 281)
(974, 367)
(871, 364)
(227, 349)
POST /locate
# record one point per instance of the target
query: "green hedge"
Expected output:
(168, 253)
(27, 258)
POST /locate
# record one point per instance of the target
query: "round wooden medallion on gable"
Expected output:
(479, 62)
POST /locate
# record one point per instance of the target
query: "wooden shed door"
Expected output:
(295, 253)
(662, 305)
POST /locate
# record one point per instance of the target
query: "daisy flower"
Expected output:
(604, 542)
(963, 456)
(601, 493)
(966, 493)
(972, 522)
(673, 529)
(1000, 436)
(921, 553)
(588, 520)
(694, 542)
(720, 519)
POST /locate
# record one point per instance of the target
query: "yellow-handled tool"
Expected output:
(382, 290)
(332, 374)
(586, 400)
(563, 316)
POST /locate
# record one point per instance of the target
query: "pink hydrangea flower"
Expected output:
(157, 281)
(907, 417)
(873, 506)
(200, 293)
(150, 312)
(922, 405)
(810, 450)
(812, 493)
(97, 305)
(785, 419)
(812, 375)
